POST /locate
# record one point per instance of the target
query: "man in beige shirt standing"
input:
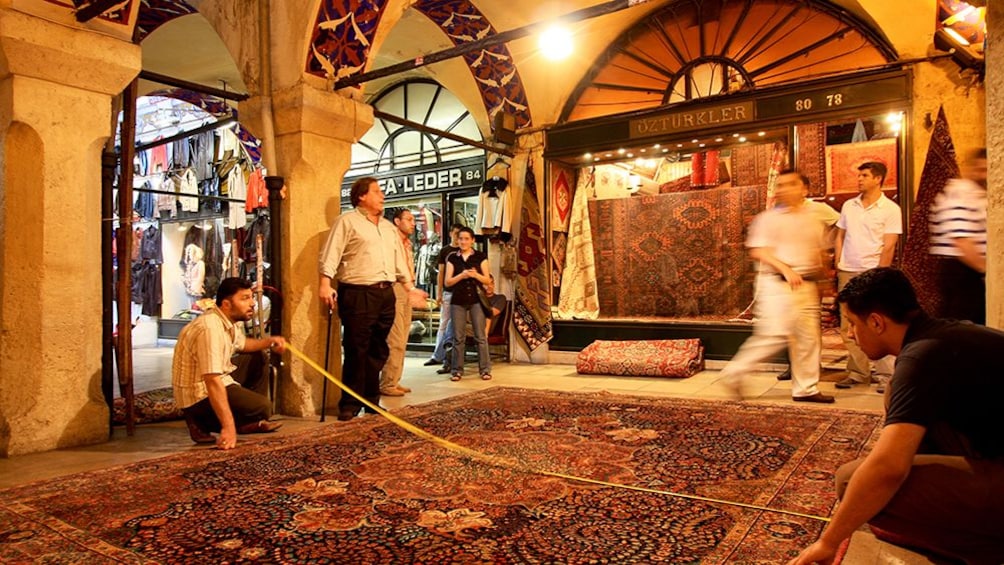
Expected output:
(205, 378)
(363, 253)
(397, 340)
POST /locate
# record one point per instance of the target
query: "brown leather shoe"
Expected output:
(197, 434)
(391, 392)
(259, 427)
(346, 414)
(403, 389)
(818, 397)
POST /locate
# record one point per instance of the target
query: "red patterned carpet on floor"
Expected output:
(368, 492)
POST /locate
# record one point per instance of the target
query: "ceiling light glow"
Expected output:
(556, 43)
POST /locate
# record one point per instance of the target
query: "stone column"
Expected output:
(314, 131)
(56, 88)
(995, 157)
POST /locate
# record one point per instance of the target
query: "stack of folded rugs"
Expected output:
(679, 358)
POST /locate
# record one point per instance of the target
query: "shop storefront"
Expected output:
(659, 201)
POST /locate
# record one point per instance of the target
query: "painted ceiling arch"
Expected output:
(695, 48)
(155, 13)
(344, 32)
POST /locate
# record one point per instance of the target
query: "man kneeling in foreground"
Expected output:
(205, 377)
(935, 479)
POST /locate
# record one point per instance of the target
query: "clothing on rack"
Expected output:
(202, 152)
(494, 208)
(257, 192)
(146, 202)
(188, 183)
(158, 158)
(167, 202)
(151, 248)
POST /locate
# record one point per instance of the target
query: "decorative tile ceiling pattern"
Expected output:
(344, 33)
(493, 68)
(118, 14)
(155, 13)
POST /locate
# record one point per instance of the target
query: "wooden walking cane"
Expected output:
(327, 357)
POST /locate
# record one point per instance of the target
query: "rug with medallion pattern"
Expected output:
(368, 492)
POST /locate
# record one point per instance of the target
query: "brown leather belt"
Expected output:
(379, 285)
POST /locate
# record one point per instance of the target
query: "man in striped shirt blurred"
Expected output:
(959, 238)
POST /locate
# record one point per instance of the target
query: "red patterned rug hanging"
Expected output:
(532, 307)
(368, 492)
(939, 166)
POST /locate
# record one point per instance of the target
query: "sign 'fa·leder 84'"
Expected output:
(442, 177)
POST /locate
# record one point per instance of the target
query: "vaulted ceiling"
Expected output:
(349, 36)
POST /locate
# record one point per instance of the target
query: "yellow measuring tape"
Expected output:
(515, 465)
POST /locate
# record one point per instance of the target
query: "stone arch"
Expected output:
(720, 47)
(343, 37)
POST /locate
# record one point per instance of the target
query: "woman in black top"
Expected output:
(466, 269)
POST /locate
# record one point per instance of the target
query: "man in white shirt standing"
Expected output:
(867, 232)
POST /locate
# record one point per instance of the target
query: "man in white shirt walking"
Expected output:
(867, 232)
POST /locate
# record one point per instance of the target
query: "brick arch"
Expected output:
(344, 31)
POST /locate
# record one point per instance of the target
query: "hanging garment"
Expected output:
(152, 289)
(208, 239)
(142, 163)
(211, 187)
(181, 154)
(137, 244)
(150, 246)
(494, 208)
(189, 184)
(146, 202)
(158, 158)
(202, 147)
(167, 202)
(260, 225)
(257, 192)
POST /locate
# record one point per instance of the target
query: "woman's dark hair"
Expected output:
(229, 287)
(883, 290)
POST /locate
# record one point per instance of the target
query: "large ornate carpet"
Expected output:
(368, 492)
(674, 255)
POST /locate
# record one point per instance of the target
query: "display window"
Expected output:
(668, 221)
(199, 201)
(650, 230)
